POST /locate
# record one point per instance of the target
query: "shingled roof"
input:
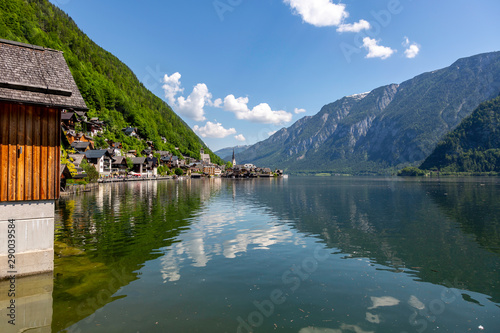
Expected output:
(37, 75)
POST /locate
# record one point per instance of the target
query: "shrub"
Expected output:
(411, 172)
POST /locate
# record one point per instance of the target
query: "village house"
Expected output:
(154, 161)
(130, 131)
(140, 165)
(147, 152)
(81, 115)
(65, 175)
(82, 146)
(162, 153)
(68, 119)
(131, 154)
(267, 171)
(115, 151)
(35, 85)
(115, 145)
(71, 135)
(119, 165)
(77, 160)
(177, 162)
(166, 160)
(85, 138)
(212, 170)
(101, 160)
(94, 127)
(152, 166)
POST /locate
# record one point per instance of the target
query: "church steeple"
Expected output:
(234, 160)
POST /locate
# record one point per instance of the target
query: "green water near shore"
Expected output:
(304, 254)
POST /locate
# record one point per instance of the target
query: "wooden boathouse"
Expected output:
(35, 86)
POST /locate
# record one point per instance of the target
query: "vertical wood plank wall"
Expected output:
(29, 152)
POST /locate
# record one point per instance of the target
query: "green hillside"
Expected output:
(474, 146)
(111, 90)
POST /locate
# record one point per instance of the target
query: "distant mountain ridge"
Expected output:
(384, 129)
(227, 153)
(474, 146)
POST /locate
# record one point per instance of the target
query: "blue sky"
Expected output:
(238, 70)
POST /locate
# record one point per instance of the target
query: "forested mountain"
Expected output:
(384, 129)
(474, 146)
(111, 90)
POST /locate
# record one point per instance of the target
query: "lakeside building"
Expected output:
(35, 85)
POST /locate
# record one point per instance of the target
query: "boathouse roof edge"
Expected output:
(36, 75)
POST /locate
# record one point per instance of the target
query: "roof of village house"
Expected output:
(129, 130)
(65, 171)
(37, 75)
(138, 160)
(162, 152)
(67, 115)
(96, 153)
(77, 158)
(80, 144)
(119, 160)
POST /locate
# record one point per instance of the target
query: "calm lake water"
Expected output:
(304, 255)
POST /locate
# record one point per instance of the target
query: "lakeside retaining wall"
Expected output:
(32, 224)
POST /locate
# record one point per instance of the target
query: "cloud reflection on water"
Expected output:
(221, 230)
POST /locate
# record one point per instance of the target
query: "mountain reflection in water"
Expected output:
(293, 255)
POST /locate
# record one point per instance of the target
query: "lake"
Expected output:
(303, 254)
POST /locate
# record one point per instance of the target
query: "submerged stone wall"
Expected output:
(29, 307)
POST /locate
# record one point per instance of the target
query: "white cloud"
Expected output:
(213, 130)
(192, 106)
(412, 49)
(172, 86)
(320, 13)
(406, 41)
(355, 27)
(261, 113)
(240, 137)
(218, 103)
(271, 133)
(375, 50)
(236, 105)
(297, 111)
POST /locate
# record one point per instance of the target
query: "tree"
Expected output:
(163, 170)
(130, 164)
(110, 89)
(100, 143)
(179, 172)
(229, 164)
(68, 162)
(92, 174)
(411, 172)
